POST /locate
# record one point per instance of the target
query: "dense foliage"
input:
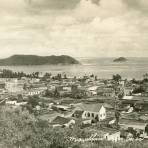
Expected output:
(37, 60)
(10, 74)
(20, 129)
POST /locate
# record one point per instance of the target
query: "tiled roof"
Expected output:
(89, 107)
(60, 120)
(78, 113)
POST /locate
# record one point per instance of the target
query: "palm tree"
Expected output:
(145, 76)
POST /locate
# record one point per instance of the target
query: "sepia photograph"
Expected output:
(73, 73)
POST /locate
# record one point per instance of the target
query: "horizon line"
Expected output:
(78, 56)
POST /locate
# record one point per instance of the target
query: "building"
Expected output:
(106, 91)
(15, 103)
(62, 122)
(14, 86)
(35, 92)
(92, 111)
(135, 124)
(113, 136)
(60, 107)
(108, 134)
(128, 91)
(93, 90)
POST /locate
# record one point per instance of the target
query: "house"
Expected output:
(122, 82)
(2, 85)
(79, 92)
(107, 92)
(60, 107)
(141, 105)
(64, 93)
(127, 97)
(86, 122)
(108, 134)
(128, 91)
(15, 103)
(93, 90)
(62, 122)
(34, 80)
(137, 125)
(144, 94)
(67, 88)
(2, 91)
(49, 116)
(14, 86)
(36, 91)
(113, 135)
(78, 114)
(92, 111)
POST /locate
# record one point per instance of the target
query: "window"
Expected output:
(97, 117)
(92, 115)
(88, 114)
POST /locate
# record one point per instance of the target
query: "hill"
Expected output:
(37, 60)
(120, 59)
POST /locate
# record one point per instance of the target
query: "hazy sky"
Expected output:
(77, 28)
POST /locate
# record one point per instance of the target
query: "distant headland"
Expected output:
(18, 60)
(120, 59)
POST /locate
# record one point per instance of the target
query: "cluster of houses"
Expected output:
(86, 101)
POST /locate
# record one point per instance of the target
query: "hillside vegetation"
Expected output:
(37, 60)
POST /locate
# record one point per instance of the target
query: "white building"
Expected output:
(92, 111)
(35, 92)
(14, 86)
(15, 103)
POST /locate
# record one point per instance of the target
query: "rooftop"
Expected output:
(89, 107)
(60, 120)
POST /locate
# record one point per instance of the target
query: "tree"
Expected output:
(47, 75)
(36, 74)
(20, 97)
(59, 77)
(65, 76)
(25, 86)
(146, 129)
(145, 76)
(96, 78)
(117, 116)
(49, 93)
(139, 89)
(33, 101)
(15, 127)
(56, 93)
(116, 77)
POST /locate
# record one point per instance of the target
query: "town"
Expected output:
(112, 109)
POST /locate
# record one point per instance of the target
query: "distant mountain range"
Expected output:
(120, 59)
(38, 60)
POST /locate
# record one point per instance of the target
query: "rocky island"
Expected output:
(37, 60)
(120, 59)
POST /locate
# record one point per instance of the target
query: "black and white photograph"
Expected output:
(73, 73)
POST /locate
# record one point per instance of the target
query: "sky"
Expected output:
(79, 28)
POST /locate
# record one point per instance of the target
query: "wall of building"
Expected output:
(101, 115)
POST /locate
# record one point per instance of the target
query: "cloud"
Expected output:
(139, 5)
(53, 4)
(77, 28)
(12, 5)
(87, 10)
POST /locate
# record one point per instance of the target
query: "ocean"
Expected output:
(102, 67)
